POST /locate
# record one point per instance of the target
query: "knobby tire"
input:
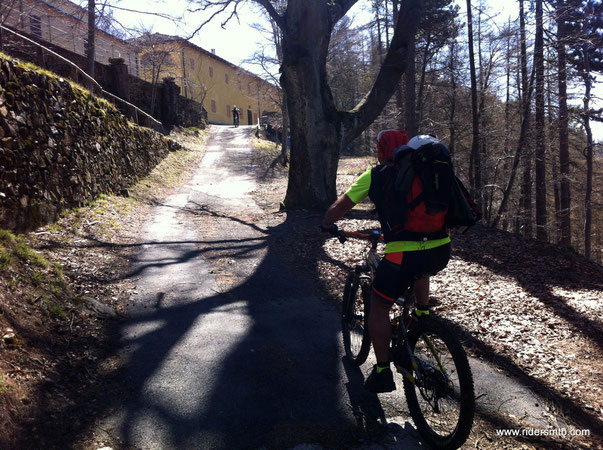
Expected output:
(354, 319)
(455, 410)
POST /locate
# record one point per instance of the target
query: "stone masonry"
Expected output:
(60, 147)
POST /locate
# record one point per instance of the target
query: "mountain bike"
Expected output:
(437, 378)
(236, 121)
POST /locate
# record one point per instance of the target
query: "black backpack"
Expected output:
(442, 193)
(462, 211)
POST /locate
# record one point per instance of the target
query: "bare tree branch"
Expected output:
(272, 12)
(394, 64)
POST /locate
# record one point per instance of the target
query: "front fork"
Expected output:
(401, 350)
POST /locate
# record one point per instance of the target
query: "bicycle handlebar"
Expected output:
(373, 235)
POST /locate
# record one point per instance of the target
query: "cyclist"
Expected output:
(407, 254)
(235, 115)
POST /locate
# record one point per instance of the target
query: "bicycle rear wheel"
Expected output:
(442, 403)
(354, 318)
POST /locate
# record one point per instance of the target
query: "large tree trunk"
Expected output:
(564, 160)
(318, 131)
(315, 124)
(540, 167)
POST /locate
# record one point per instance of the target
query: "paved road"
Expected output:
(227, 348)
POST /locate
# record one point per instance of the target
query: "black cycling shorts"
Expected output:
(397, 270)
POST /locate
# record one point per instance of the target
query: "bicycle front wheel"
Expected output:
(354, 318)
(441, 399)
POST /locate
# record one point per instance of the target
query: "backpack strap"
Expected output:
(416, 201)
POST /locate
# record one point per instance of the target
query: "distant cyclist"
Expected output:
(406, 252)
(235, 115)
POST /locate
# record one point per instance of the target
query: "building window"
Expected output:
(192, 64)
(213, 106)
(226, 78)
(85, 47)
(240, 85)
(137, 64)
(227, 110)
(211, 72)
(35, 24)
(249, 91)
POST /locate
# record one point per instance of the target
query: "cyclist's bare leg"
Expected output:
(422, 292)
(380, 329)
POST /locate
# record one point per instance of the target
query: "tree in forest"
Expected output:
(585, 39)
(156, 60)
(90, 43)
(525, 200)
(268, 62)
(319, 131)
(565, 234)
(437, 27)
(539, 128)
(5, 9)
(475, 170)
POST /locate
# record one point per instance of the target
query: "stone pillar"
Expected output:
(168, 106)
(119, 80)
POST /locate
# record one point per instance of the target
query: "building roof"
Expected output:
(164, 38)
(49, 5)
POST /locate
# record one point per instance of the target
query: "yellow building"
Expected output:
(206, 78)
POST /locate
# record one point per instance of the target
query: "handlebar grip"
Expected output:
(335, 232)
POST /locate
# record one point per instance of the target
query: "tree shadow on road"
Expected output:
(277, 380)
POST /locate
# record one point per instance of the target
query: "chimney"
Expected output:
(213, 51)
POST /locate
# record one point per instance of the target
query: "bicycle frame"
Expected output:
(400, 320)
(441, 404)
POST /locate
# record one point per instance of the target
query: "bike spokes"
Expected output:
(438, 389)
(356, 339)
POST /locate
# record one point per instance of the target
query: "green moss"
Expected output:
(4, 386)
(58, 310)
(11, 86)
(7, 237)
(27, 254)
(37, 278)
(57, 269)
(5, 258)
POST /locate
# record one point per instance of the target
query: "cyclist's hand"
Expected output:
(334, 231)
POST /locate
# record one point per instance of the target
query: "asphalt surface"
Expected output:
(254, 362)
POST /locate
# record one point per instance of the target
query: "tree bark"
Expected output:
(564, 160)
(91, 37)
(539, 129)
(475, 173)
(410, 96)
(520, 145)
(525, 199)
(452, 115)
(588, 208)
(319, 131)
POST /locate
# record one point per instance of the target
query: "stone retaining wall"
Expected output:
(60, 147)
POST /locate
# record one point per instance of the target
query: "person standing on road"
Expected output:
(407, 253)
